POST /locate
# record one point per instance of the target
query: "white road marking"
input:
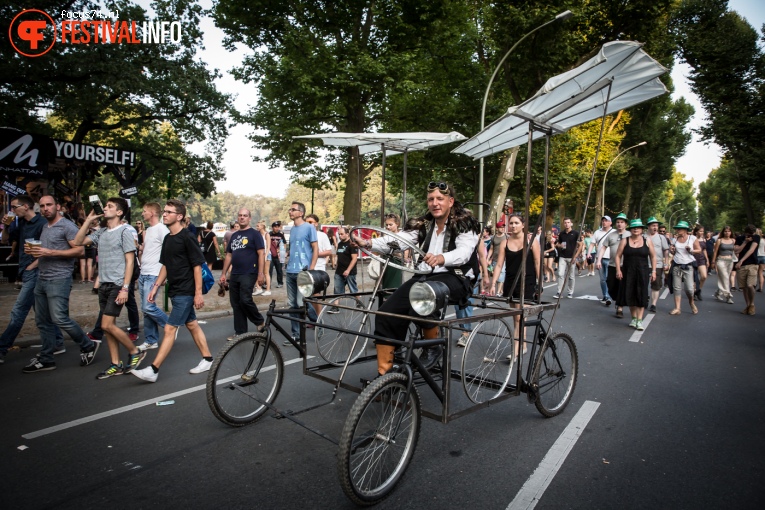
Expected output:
(532, 491)
(664, 294)
(588, 297)
(137, 405)
(646, 321)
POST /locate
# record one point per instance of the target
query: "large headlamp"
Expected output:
(427, 297)
(312, 282)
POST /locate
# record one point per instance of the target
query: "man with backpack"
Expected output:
(182, 262)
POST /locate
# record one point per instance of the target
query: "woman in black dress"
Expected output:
(209, 245)
(511, 254)
(637, 275)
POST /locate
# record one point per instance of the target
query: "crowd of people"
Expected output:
(634, 261)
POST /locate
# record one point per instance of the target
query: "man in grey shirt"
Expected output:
(661, 248)
(55, 255)
(116, 257)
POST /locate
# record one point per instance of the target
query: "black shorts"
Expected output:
(107, 299)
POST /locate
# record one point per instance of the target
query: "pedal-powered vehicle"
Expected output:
(381, 431)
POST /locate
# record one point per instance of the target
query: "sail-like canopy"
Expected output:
(397, 142)
(575, 97)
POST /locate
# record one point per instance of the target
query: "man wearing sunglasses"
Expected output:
(303, 254)
(449, 236)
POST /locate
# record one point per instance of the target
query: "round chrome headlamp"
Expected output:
(427, 297)
(312, 282)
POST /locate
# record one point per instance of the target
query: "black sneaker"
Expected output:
(608, 301)
(111, 371)
(35, 365)
(652, 309)
(87, 357)
(134, 360)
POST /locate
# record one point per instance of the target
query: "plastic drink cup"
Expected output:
(9, 218)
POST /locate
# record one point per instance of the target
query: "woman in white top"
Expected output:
(760, 262)
(722, 258)
(261, 227)
(683, 249)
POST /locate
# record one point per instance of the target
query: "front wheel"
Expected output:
(247, 372)
(378, 439)
(554, 376)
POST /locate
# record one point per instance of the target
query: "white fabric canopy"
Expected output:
(575, 97)
(398, 142)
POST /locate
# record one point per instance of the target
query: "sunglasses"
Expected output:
(293, 209)
(440, 186)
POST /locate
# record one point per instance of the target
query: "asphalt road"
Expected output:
(677, 424)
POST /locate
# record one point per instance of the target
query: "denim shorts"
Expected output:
(761, 260)
(182, 312)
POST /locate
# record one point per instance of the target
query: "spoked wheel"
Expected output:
(335, 346)
(554, 376)
(486, 368)
(378, 439)
(248, 366)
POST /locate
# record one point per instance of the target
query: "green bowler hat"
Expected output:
(652, 219)
(636, 223)
(682, 224)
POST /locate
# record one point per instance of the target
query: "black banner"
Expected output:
(12, 189)
(24, 154)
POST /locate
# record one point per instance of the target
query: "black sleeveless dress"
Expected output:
(513, 267)
(636, 275)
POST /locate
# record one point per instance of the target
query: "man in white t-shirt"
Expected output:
(325, 247)
(597, 243)
(154, 318)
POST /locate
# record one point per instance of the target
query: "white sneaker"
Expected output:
(257, 292)
(146, 346)
(267, 293)
(146, 374)
(462, 342)
(203, 366)
(570, 296)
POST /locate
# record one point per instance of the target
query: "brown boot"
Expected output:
(384, 358)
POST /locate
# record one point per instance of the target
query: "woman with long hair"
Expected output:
(701, 262)
(261, 227)
(549, 256)
(722, 257)
(511, 255)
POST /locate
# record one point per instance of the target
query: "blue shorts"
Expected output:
(760, 260)
(182, 312)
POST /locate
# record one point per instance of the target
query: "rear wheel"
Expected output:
(335, 346)
(248, 368)
(488, 360)
(554, 377)
(378, 439)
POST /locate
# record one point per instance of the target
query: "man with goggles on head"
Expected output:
(449, 235)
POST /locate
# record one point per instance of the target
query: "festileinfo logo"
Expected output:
(33, 32)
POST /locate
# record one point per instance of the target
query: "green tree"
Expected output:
(154, 99)
(727, 73)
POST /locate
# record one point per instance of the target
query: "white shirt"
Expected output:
(596, 238)
(465, 245)
(682, 251)
(152, 246)
(324, 245)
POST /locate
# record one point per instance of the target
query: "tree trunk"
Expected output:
(745, 198)
(354, 178)
(499, 192)
(627, 197)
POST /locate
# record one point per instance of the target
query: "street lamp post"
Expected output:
(560, 17)
(677, 204)
(673, 215)
(603, 194)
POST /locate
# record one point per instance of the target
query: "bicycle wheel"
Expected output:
(247, 368)
(378, 439)
(335, 346)
(554, 376)
(486, 368)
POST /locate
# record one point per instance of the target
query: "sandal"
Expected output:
(676, 311)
